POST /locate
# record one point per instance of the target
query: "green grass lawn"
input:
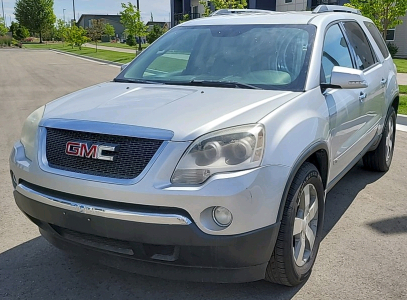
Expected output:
(401, 65)
(403, 105)
(123, 46)
(403, 100)
(113, 56)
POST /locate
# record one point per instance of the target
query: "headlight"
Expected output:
(233, 149)
(29, 133)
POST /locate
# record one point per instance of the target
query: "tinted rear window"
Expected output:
(378, 38)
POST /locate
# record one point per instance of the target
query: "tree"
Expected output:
(96, 30)
(36, 15)
(131, 19)
(384, 13)
(3, 28)
(19, 32)
(155, 33)
(109, 30)
(223, 4)
(61, 30)
(76, 36)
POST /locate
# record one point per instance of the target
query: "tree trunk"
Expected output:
(40, 36)
(96, 42)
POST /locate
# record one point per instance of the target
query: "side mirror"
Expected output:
(124, 67)
(348, 78)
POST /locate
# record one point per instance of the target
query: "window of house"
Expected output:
(288, 1)
(334, 53)
(358, 40)
(390, 34)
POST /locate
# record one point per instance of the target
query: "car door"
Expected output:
(372, 98)
(344, 106)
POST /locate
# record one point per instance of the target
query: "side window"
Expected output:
(359, 42)
(378, 38)
(334, 53)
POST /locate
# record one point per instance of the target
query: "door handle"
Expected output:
(362, 96)
(383, 81)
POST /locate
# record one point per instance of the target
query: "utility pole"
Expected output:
(139, 38)
(64, 14)
(74, 18)
(4, 18)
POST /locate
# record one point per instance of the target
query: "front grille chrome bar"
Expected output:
(142, 217)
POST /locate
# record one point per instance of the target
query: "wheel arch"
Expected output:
(316, 154)
(395, 103)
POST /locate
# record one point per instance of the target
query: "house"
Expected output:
(194, 9)
(151, 24)
(114, 20)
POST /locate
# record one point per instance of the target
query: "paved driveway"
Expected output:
(363, 254)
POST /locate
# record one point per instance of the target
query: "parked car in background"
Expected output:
(208, 158)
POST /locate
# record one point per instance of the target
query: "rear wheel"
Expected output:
(380, 159)
(300, 232)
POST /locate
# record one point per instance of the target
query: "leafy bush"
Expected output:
(131, 41)
(393, 49)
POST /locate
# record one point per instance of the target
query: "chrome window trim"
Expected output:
(42, 153)
(142, 217)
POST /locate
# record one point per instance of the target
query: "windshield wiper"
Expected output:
(130, 80)
(216, 83)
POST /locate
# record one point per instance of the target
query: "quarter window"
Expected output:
(377, 36)
(359, 42)
(335, 53)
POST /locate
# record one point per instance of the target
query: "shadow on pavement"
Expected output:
(391, 226)
(37, 270)
(345, 191)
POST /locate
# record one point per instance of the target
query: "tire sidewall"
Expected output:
(392, 115)
(300, 273)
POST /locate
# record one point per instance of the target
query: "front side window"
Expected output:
(335, 53)
(359, 42)
(262, 56)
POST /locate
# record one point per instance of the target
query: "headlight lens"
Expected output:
(29, 133)
(233, 149)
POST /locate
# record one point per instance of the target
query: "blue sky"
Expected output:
(159, 8)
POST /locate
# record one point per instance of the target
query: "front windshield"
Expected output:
(258, 56)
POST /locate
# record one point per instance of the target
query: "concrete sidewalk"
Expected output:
(123, 50)
(402, 78)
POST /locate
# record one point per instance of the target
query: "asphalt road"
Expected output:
(363, 254)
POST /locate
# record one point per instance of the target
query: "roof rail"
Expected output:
(222, 12)
(335, 8)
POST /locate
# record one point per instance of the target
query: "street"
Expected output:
(363, 254)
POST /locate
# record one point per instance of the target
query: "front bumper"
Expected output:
(178, 251)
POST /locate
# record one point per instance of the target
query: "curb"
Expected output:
(402, 120)
(90, 58)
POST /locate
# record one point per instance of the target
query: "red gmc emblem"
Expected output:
(89, 150)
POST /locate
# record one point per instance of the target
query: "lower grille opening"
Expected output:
(107, 244)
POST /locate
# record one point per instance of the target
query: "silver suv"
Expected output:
(209, 157)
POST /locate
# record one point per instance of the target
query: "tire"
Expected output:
(287, 266)
(380, 159)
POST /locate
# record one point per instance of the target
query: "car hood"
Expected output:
(186, 111)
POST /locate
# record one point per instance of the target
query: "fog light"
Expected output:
(222, 216)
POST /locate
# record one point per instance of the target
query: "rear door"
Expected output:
(372, 98)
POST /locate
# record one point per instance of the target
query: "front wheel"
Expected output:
(380, 159)
(301, 229)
